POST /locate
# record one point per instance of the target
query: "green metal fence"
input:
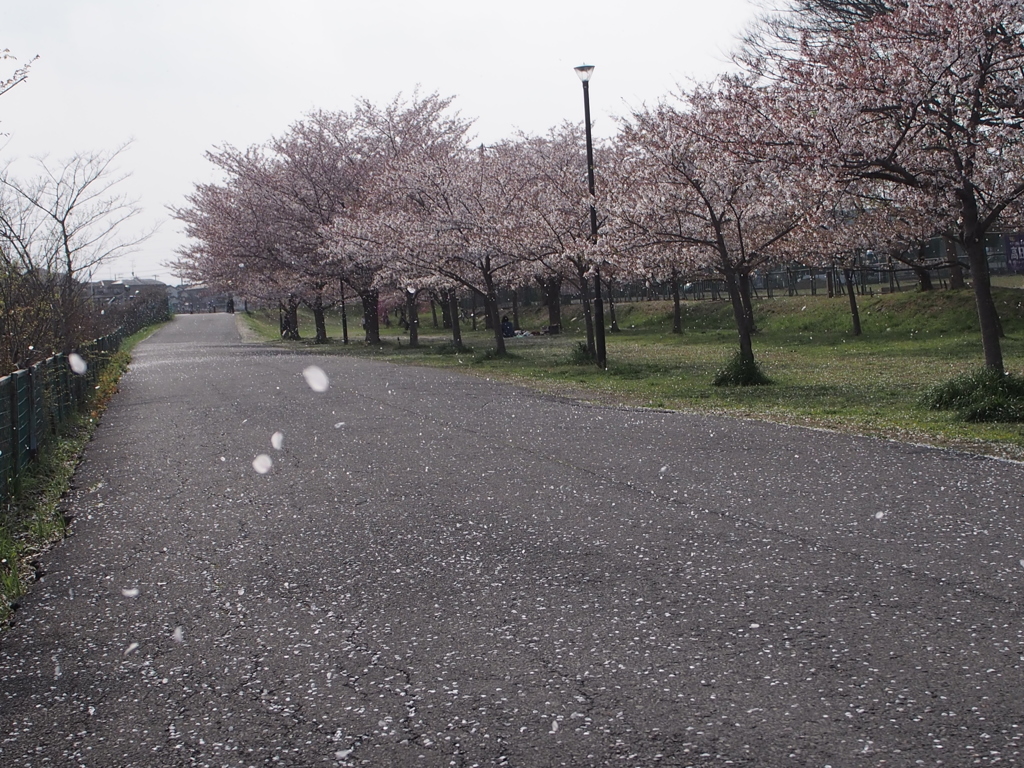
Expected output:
(38, 402)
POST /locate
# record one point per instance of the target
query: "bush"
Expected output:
(580, 355)
(984, 395)
(741, 373)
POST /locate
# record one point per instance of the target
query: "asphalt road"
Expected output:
(439, 570)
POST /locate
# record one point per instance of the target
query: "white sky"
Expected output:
(179, 77)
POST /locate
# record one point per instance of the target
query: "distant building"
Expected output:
(194, 299)
(184, 299)
(105, 292)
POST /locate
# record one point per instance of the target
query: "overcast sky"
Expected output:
(179, 77)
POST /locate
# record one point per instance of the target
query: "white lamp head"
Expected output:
(585, 71)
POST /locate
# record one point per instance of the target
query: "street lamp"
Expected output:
(585, 71)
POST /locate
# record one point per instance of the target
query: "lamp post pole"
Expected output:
(585, 71)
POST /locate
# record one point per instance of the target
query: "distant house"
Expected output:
(194, 299)
(106, 292)
(184, 299)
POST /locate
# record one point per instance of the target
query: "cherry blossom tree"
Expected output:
(308, 211)
(927, 96)
(243, 232)
(358, 252)
(557, 216)
(702, 176)
(16, 76)
(371, 241)
(322, 172)
(464, 219)
(230, 247)
(784, 32)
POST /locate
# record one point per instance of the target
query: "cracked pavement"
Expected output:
(439, 570)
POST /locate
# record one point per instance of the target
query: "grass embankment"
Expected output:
(32, 520)
(822, 375)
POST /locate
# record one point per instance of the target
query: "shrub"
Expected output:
(580, 355)
(739, 372)
(984, 395)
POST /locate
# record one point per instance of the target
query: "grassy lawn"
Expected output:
(822, 375)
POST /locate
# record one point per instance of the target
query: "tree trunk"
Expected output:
(677, 309)
(344, 315)
(854, 311)
(446, 309)
(740, 315)
(614, 328)
(319, 320)
(924, 277)
(515, 308)
(371, 317)
(588, 320)
(552, 290)
(956, 272)
(433, 310)
(987, 315)
(491, 310)
(291, 319)
(743, 280)
(973, 240)
(453, 312)
(68, 311)
(412, 318)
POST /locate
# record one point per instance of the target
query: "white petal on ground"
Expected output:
(262, 463)
(179, 634)
(339, 425)
(277, 440)
(316, 378)
(130, 648)
(130, 591)
(879, 515)
(554, 726)
(78, 364)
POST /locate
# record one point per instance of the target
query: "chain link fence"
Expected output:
(37, 403)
